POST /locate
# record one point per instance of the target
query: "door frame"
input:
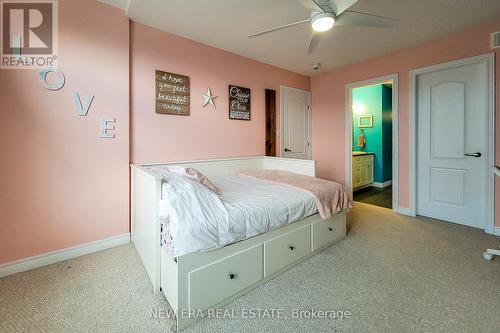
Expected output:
(394, 78)
(489, 132)
(309, 120)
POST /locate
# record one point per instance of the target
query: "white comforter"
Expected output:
(198, 219)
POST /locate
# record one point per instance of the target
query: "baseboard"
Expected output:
(53, 257)
(405, 211)
(381, 185)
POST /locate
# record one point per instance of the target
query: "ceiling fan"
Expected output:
(334, 12)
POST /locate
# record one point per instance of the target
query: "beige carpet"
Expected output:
(393, 273)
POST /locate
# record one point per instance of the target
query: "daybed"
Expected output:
(207, 279)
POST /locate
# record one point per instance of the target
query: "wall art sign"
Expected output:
(172, 93)
(239, 103)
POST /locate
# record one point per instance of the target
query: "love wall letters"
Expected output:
(82, 107)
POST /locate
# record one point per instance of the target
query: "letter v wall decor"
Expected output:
(82, 109)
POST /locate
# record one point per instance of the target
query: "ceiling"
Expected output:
(225, 24)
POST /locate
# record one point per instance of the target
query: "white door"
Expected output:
(295, 113)
(452, 114)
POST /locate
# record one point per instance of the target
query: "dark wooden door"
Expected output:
(270, 122)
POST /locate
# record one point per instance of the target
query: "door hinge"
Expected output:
(308, 144)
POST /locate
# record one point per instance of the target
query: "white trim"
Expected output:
(309, 120)
(62, 255)
(382, 185)
(405, 211)
(395, 132)
(489, 132)
(229, 159)
(496, 230)
(492, 40)
(412, 139)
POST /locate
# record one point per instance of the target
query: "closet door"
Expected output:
(295, 120)
(452, 109)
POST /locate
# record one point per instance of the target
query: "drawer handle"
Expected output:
(232, 276)
(331, 228)
(291, 247)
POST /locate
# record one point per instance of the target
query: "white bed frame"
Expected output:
(199, 282)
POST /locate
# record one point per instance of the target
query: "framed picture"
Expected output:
(365, 121)
(172, 93)
(239, 103)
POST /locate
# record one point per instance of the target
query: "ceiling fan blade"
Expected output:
(352, 18)
(324, 5)
(340, 6)
(278, 28)
(315, 37)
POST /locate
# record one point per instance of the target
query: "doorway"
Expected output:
(451, 121)
(371, 141)
(295, 119)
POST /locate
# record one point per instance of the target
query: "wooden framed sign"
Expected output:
(239, 103)
(172, 93)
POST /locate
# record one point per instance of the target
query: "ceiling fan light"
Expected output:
(323, 22)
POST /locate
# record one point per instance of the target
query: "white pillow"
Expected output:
(197, 176)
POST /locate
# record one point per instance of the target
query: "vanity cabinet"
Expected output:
(362, 170)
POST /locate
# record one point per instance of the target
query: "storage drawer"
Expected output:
(284, 250)
(327, 231)
(217, 281)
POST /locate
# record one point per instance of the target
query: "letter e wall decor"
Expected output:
(107, 124)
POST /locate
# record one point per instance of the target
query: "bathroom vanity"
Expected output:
(362, 169)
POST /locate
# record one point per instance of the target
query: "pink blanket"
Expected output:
(331, 197)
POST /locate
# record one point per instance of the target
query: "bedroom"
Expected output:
(69, 138)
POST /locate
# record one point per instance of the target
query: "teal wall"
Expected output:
(377, 101)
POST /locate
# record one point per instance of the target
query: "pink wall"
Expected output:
(328, 99)
(206, 133)
(62, 185)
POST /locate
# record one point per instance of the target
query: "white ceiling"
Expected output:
(225, 24)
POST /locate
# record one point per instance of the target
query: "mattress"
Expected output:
(195, 219)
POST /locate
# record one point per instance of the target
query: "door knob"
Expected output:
(287, 150)
(473, 154)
